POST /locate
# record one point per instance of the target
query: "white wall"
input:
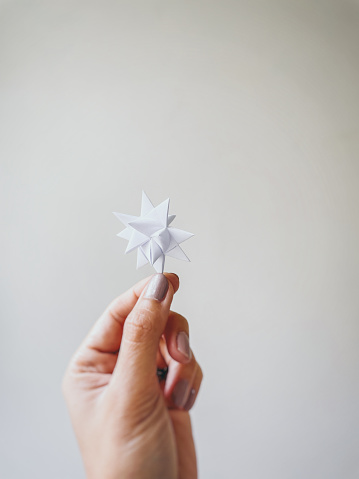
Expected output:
(245, 113)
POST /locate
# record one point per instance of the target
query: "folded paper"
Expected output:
(152, 236)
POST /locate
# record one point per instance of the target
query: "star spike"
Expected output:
(146, 205)
(151, 234)
(179, 235)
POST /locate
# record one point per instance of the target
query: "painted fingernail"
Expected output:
(183, 344)
(157, 287)
(179, 394)
(190, 400)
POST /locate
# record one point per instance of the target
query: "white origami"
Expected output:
(152, 234)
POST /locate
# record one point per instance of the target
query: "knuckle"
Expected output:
(114, 315)
(177, 322)
(185, 325)
(181, 320)
(193, 361)
(139, 325)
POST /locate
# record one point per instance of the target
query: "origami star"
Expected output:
(152, 234)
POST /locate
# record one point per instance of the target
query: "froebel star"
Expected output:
(152, 236)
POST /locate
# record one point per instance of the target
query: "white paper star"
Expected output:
(151, 234)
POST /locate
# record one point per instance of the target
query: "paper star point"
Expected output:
(152, 236)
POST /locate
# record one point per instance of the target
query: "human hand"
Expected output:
(128, 423)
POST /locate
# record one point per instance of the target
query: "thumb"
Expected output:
(143, 329)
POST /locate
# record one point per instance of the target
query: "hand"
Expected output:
(127, 422)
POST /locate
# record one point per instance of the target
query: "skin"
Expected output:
(129, 424)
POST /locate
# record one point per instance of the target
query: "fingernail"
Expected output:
(183, 344)
(179, 394)
(157, 287)
(190, 400)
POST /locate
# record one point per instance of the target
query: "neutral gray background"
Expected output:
(245, 113)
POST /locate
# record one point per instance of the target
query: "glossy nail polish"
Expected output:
(157, 288)
(183, 344)
(179, 394)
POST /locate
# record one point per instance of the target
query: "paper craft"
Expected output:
(152, 236)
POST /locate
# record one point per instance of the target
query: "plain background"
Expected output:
(245, 114)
